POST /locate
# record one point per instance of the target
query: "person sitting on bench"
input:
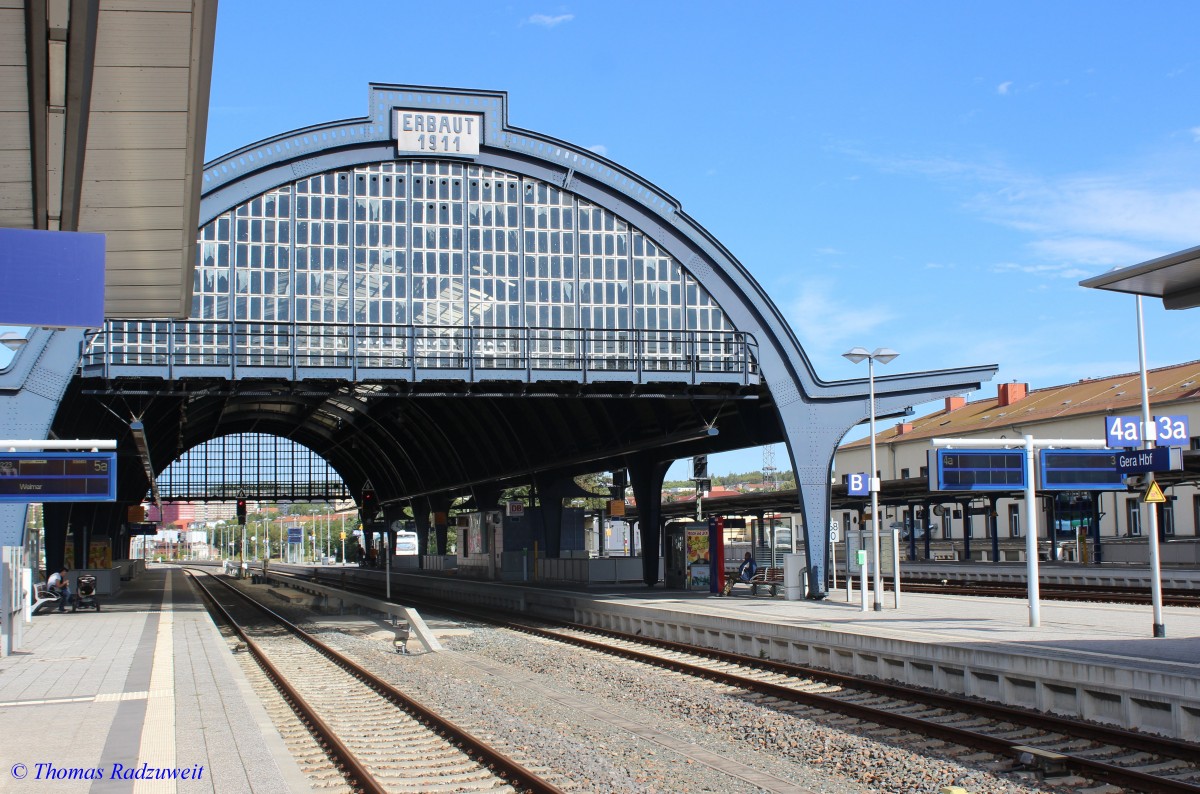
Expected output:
(60, 584)
(748, 568)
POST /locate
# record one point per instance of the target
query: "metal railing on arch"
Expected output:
(205, 348)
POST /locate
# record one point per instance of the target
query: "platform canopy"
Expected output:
(103, 107)
(1175, 278)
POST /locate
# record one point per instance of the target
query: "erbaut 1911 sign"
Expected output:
(433, 132)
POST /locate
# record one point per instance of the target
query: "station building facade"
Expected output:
(1069, 411)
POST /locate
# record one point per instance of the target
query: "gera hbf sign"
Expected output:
(1126, 431)
(1141, 461)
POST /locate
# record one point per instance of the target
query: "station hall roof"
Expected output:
(103, 110)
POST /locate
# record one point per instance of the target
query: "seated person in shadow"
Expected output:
(61, 585)
(748, 568)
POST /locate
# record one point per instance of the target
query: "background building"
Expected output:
(1070, 411)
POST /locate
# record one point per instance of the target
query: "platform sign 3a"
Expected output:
(1126, 431)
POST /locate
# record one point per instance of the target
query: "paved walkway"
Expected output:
(1114, 634)
(146, 683)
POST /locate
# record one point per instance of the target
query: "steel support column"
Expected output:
(30, 389)
(646, 475)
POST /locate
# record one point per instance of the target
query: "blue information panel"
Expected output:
(58, 477)
(1079, 470)
(51, 278)
(977, 469)
(295, 534)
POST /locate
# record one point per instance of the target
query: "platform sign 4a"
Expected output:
(1126, 431)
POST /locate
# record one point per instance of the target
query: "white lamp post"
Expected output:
(883, 355)
(1159, 629)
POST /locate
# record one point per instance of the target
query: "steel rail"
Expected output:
(516, 774)
(1097, 769)
(1057, 592)
(1100, 770)
(351, 768)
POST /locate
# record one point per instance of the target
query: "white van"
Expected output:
(406, 544)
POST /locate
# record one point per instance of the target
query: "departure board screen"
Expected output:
(58, 476)
(978, 469)
(1080, 470)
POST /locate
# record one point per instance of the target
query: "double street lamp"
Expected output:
(883, 355)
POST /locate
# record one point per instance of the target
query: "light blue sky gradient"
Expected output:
(934, 177)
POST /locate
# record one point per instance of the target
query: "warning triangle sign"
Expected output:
(1154, 494)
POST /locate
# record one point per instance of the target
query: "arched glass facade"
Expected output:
(432, 261)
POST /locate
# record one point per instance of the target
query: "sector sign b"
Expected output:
(857, 484)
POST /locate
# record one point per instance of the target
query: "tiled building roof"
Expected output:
(1014, 403)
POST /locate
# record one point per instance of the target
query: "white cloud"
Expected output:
(1061, 271)
(1004, 87)
(1076, 219)
(547, 21)
(829, 318)
(1195, 134)
(1092, 251)
(1107, 207)
(599, 149)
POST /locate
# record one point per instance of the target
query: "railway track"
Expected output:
(1054, 592)
(1054, 746)
(406, 746)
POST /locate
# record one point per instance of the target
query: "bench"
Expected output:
(43, 595)
(771, 578)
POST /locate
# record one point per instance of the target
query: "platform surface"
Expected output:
(1117, 636)
(148, 683)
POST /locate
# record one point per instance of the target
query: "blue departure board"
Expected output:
(977, 469)
(1079, 470)
(58, 477)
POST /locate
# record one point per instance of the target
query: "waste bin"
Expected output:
(794, 568)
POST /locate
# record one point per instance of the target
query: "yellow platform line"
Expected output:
(158, 731)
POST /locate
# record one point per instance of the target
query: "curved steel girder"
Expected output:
(210, 418)
(784, 364)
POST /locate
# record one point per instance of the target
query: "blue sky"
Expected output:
(934, 177)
